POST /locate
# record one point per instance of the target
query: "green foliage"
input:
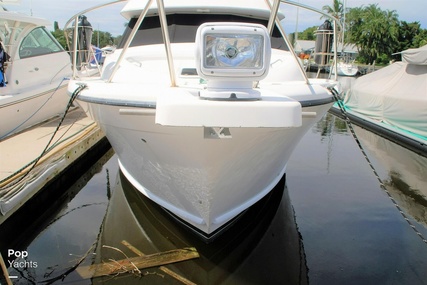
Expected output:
(420, 39)
(374, 31)
(377, 33)
(99, 38)
(102, 39)
(407, 33)
(60, 37)
(55, 26)
(383, 59)
(337, 11)
(307, 35)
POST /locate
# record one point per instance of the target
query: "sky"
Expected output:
(111, 21)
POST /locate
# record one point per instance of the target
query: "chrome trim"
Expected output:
(75, 18)
(334, 20)
(166, 40)
(274, 9)
(276, 21)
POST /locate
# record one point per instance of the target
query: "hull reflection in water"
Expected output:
(406, 173)
(262, 247)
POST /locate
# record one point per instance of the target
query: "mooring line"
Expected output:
(34, 162)
(382, 185)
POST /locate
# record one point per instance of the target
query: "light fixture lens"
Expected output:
(238, 52)
(233, 51)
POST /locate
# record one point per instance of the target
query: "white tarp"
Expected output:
(396, 95)
(415, 56)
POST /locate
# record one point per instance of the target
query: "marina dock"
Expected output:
(39, 156)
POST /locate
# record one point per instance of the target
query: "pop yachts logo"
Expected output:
(20, 259)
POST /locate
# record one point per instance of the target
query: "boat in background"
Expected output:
(345, 68)
(35, 69)
(204, 103)
(392, 100)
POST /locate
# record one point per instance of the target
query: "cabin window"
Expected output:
(183, 28)
(38, 42)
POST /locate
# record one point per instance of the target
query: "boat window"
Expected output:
(183, 28)
(38, 42)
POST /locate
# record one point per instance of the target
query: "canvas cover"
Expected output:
(396, 94)
(416, 56)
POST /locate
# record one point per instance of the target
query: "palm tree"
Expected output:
(379, 32)
(337, 11)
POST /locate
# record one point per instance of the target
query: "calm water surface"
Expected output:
(328, 222)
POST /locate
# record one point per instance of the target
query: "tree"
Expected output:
(420, 39)
(374, 31)
(99, 38)
(336, 11)
(411, 36)
(55, 26)
(102, 39)
(60, 37)
(307, 35)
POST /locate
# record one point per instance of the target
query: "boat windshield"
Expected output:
(38, 42)
(183, 27)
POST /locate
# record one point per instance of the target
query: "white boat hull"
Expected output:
(206, 176)
(36, 73)
(21, 111)
(204, 118)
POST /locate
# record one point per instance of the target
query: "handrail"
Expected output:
(91, 9)
(274, 19)
(335, 52)
(75, 18)
(166, 39)
(129, 40)
(292, 3)
(335, 22)
(274, 9)
(75, 47)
